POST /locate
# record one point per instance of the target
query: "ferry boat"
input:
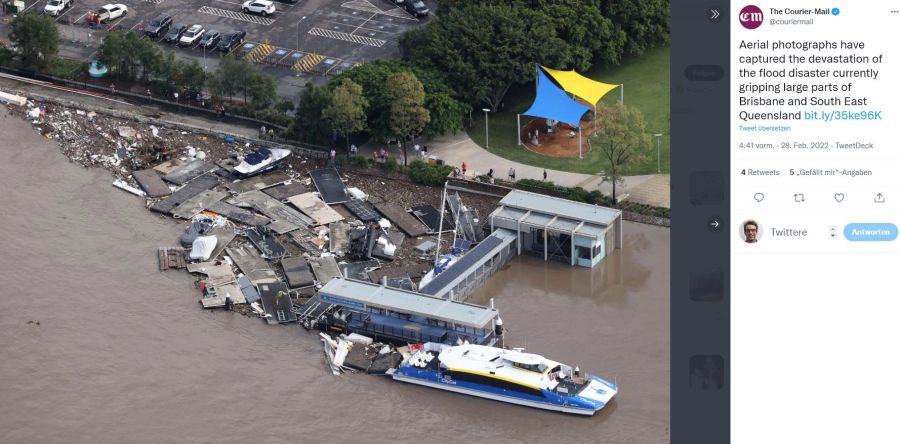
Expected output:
(505, 375)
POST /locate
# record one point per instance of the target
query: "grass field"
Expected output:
(646, 81)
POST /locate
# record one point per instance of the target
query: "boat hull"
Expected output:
(457, 388)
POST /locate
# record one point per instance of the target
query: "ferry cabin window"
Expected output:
(597, 250)
(539, 368)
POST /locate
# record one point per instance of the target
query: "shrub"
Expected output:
(433, 175)
(360, 161)
(391, 165)
(66, 69)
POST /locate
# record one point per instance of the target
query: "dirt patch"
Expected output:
(562, 142)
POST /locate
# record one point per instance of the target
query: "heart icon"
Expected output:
(839, 197)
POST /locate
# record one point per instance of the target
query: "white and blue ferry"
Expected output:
(505, 375)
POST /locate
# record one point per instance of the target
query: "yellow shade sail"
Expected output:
(590, 90)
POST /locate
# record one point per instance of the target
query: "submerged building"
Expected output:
(560, 229)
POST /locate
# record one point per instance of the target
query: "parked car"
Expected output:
(210, 39)
(231, 40)
(261, 7)
(416, 8)
(175, 33)
(56, 7)
(107, 13)
(158, 26)
(191, 36)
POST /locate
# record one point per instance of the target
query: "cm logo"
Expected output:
(751, 17)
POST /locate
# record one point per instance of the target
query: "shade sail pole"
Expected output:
(518, 130)
(579, 142)
(622, 94)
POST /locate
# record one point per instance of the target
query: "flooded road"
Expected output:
(99, 347)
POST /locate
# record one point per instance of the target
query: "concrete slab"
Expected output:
(284, 191)
(186, 192)
(238, 215)
(338, 237)
(270, 207)
(402, 219)
(252, 265)
(312, 206)
(189, 172)
(325, 268)
(151, 183)
(259, 182)
(196, 204)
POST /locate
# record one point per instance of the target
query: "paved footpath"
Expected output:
(652, 189)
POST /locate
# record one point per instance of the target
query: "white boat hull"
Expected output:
(496, 397)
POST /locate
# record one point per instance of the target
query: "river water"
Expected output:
(124, 354)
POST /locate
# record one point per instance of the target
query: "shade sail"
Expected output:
(581, 86)
(553, 103)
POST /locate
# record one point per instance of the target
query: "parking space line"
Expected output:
(64, 13)
(364, 29)
(135, 26)
(226, 1)
(155, 2)
(363, 23)
(32, 5)
(378, 43)
(236, 15)
(366, 6)
(112, 26)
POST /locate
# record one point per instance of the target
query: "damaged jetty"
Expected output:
(281, 233)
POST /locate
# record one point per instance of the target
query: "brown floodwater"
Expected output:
(124, 354)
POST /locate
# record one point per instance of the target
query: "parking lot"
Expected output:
(333, 36)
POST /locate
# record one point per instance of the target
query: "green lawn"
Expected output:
(646, 82)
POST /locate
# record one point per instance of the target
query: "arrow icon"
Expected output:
(714, 14)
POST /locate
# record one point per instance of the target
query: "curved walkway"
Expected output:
(651, 189)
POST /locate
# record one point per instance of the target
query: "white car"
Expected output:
(113, 11)
(261, 7)
(56, 7)
(191, 36)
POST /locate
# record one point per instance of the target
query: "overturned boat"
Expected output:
(511, 376)
(261, 160)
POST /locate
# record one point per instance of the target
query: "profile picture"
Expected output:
(750, 231)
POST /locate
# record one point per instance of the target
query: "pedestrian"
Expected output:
(271, 134)
(425, 152)
(464, 168)
(418, 149)
(353, 149)
(511, 175)
(221, 111)
(199, 99)
(490, 173)
(175, 95)
(262, 132)
(382, 154)
(545, 175)
(112, 86)
(333, 154)
(149, 94)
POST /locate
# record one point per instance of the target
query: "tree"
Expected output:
(446, 111)
(645, 23)
(408, 113)
(484, 48)
(347, 110)
(233, 76)
(36, 38)
(262, 90)
(193, 77)
(151, 58)
(308, 114)
(591, 37)
(620, 135)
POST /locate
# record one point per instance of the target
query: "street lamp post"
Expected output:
(487, 143)
(298, 31)
(658, 163)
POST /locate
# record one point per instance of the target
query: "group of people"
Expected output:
(267, 135)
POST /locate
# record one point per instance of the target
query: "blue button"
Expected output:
(870, 232)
